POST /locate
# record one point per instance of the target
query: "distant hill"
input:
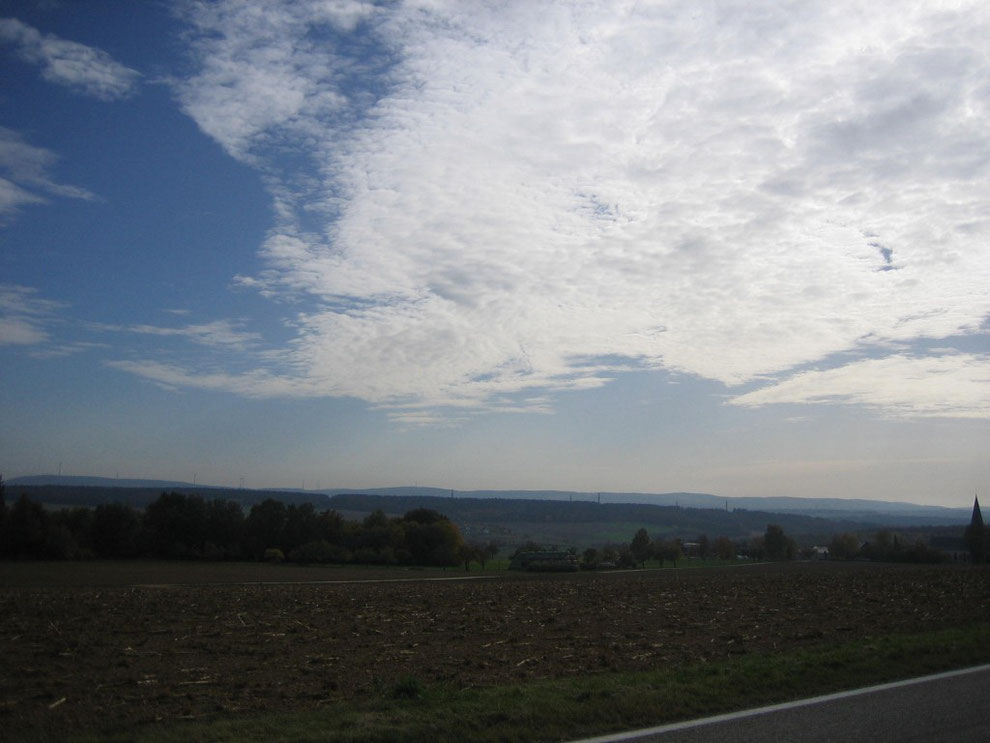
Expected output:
(865, 513)
(584, 522)
(837, 509)
(99, 482)
(140, 497)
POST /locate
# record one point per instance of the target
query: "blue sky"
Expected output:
(732, 247)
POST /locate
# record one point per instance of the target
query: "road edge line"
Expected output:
(741, 714)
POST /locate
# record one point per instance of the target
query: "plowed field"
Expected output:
(89, 654)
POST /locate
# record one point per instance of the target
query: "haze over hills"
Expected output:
(101, 482)
(836, 509)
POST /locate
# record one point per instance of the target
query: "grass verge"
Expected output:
(591, 705)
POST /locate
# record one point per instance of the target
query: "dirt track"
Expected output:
(120, 655)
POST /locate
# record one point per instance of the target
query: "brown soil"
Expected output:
(87, 655)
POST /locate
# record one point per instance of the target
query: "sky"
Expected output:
(737, 247)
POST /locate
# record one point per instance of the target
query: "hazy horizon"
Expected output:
(689, 497)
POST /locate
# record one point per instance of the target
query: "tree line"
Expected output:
(887, 547)
(774, 544)
(181, 526)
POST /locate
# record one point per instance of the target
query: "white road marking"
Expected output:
(631, 735)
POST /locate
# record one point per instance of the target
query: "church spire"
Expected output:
(976, 535)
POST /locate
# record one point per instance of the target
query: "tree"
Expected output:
(724, 548)
(422, 516)
(468, 553)
(670, 549)
(116, 530)
(27, 526)
(640, 547)
(777, 545)
(843, 546)
(4, 531)
(704, 546)
(626, 559)
(3, 505)
(331, 526)
(224, 528)
(433, 542)
(175, 525)
(263, 526)
(377, 519)
(485, 552)
(755, 549)
(301, 526)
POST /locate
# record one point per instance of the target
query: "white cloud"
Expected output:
(956, 385)
(479, 201)
(250, 384)
(26, 169)
(65, 349)
(219, 333)
(24, 316)
(82, 68)
(13, 197)
(265, 68)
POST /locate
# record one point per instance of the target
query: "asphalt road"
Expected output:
(953, 706)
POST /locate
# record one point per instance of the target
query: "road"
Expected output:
(952, 706)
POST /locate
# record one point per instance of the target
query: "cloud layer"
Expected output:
(476, 204)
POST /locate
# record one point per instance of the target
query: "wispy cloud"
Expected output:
(24, 316)
(219, 333)
(60, 351)
(472, 200)
(955, 385)
(81, 68)
(26, 178)
(250, 384)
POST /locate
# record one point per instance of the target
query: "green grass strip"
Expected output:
(410, 711)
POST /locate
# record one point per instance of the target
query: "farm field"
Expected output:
(91, 646)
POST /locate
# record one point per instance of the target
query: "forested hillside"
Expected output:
(534, 517)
